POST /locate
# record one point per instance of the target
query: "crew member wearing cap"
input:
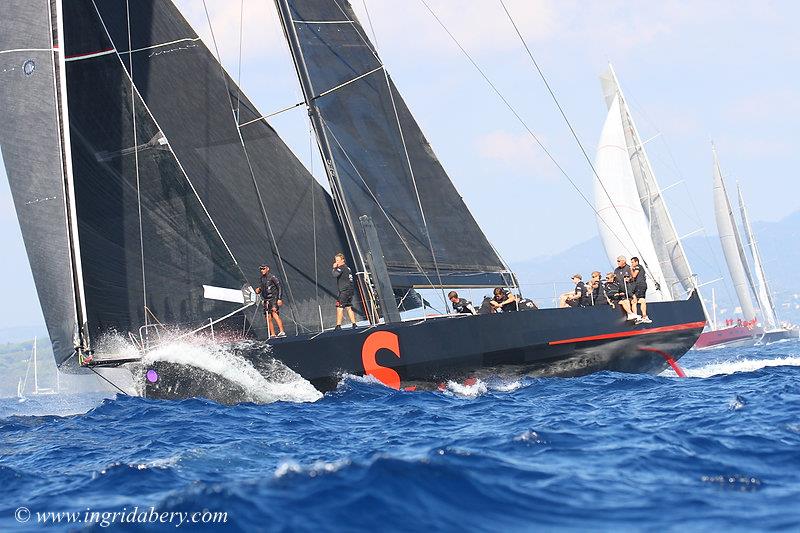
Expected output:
(576, 297)
(270, 290)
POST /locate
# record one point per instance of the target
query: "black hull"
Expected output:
(547, 342)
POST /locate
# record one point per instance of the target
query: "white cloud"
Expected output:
(514, 153)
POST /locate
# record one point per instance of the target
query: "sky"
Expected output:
(692, 72)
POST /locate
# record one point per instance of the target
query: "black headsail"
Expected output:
(381, 162)
(34, 150)
(166, 197)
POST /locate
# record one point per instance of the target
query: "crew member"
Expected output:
(270, 290)
(576, 297)
(622, 275)
(615, 295)
(503, 300)
(344, 284)
(594, 292)
(639, 289)
(461, 305)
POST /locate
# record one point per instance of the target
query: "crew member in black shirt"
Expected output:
(344, 286)
(503, 300)
(461, 305)
(577, 297)
(623, 276)
(270, 290)
(615, 295)
(639, 289)
(594, 294)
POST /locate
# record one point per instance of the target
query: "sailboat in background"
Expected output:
(37, 390)
(748, 330)
(632, 215)
(158, 189)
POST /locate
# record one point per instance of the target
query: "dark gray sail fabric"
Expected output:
(31, 150)
(202, 214)
(370, 157)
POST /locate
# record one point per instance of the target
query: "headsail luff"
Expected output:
(731, 243)
(32, 142)
(623, 227)
(383, 164)
(669, 248)
(763, 295)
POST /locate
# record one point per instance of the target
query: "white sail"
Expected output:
(762, 291)
(668, 246)
(624, 229)
(731, 243)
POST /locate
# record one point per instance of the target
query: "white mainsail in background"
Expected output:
(667, 244)
(624, 229)
(731, 243)
(763, 295)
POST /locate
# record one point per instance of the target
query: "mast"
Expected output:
(35, 369)
(713, 309)
(323, 143)
(81, 340)
(762, 291)
(731, 242)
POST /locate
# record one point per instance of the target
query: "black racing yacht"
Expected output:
(149, 189)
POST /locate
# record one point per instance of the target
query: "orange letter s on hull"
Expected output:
(369, 352)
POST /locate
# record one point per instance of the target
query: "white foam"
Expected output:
(741, 365)
(507, 386)
(467, 391)
(316, 469)
(279, 384)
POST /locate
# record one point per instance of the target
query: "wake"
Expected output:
(743, 365)
(272, 381)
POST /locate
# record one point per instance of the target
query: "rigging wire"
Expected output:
(569, 124)
(136, 161)
(252, 172)
(96, 373)
(519, 118)
(374, 51)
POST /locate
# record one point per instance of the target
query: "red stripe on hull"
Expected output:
(632, 333)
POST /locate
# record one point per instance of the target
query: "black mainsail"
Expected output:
(381, 162)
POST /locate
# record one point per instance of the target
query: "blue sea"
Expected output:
(718, 450)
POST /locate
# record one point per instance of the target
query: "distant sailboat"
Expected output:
(748, 330)
(33, 362)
